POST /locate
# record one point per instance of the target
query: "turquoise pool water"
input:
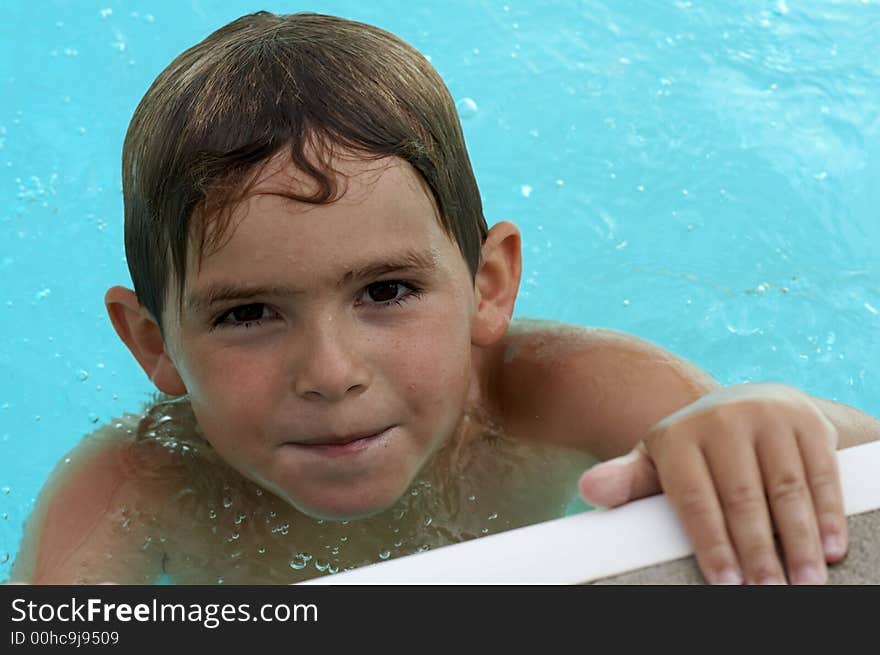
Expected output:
(704, 175)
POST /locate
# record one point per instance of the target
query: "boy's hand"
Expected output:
(735, 464)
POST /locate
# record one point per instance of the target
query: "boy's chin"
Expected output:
(351, 507)
(336, 513)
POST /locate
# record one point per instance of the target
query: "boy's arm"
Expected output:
(602, 391)
(734, 462)
(91, 523)
(586, 388)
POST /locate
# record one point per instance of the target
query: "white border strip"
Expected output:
(586, 546)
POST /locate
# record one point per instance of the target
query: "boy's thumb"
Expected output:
(620, 480)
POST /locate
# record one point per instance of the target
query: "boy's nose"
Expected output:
(329, 365)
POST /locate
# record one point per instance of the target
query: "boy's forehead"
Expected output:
(367, 188)
(357, 178)
(363, 184)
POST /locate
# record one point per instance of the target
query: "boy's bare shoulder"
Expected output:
(86, 519)
(593, 389)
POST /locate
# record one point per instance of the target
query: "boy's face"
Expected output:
(314, 325)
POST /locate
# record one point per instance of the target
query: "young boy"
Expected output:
(320, 301)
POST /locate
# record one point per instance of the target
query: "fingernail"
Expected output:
(772, 580)
(808, 574)
(729, 576)
(833, 545)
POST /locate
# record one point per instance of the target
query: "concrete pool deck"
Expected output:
(641, 542)
(860, 567)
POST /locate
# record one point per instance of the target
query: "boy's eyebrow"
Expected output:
(411, 260)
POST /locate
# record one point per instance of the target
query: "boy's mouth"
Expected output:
(342, 444)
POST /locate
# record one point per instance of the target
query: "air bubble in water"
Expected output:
(467, 108)
(300, 561)
(82, 375)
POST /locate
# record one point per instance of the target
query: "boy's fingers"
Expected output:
(791, 504)
(620, 480)
(737, 476)
(691, 492)
(823, 479)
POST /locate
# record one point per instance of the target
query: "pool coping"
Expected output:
(586, 547)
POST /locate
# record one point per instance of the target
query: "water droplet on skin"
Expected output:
(321, 565)
(472, 498)
(428, 521)
(227, 503)
(384, 554)
(343, 539)
(261, 551)
(493, 516)
(212, 514)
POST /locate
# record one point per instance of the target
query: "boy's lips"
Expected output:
(341, 440)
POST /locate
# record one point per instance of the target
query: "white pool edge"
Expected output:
(584, 547)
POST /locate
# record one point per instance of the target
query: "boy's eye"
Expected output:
(244, 315)
(378, 294)
(391, 291)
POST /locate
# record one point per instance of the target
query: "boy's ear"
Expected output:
(140, 332)
(496, 283)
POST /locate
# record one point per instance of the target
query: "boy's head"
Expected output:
(310, 258)
(305, 84)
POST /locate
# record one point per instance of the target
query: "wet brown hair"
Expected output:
(305, 82)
